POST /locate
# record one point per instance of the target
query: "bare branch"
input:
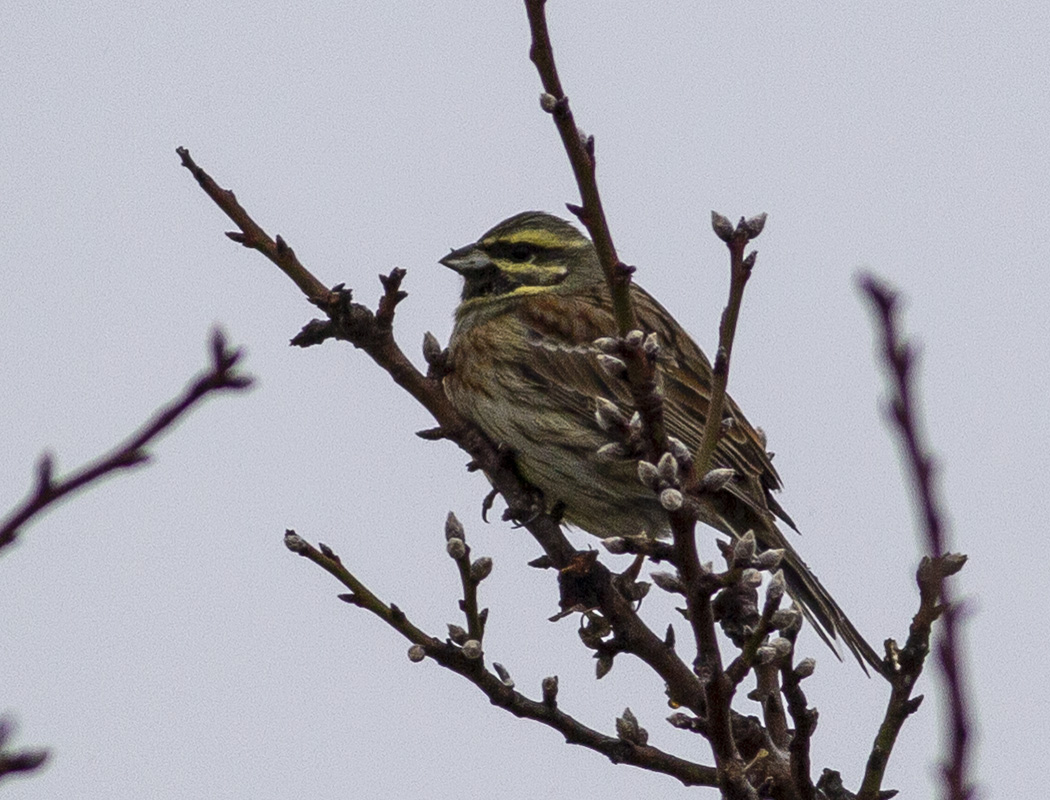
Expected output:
(580, 150)
(221, 376)
(13, 762)
(740, 267)
(470, 575)
(935, 595)
(253, 236)
(804, 717)
(497, 687)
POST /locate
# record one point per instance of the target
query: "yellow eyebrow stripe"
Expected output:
(536, 237)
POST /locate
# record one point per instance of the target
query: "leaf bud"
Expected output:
(457, 634)
(668, 469)
(456, 548)
(668, 581)
(504, 676)
(671, 499)
(612, 366)
(454, 528)
(648, 474)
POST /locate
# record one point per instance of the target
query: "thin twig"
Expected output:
(221, 376)
(13, 762)
(804, 717)
(252, 235)
(719, 687)
(470, 575)
(736, 240)
(580, 150)
(935, 591)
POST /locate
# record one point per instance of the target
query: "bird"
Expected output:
(524, 367)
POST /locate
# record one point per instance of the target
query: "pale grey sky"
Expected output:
(158, 636)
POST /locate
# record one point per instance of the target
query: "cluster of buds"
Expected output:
(665, 476)
(612, 357)
(742, 553)
(628, 729)
(612, 351)
(472, 573)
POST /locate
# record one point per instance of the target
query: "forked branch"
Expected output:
(467, 659)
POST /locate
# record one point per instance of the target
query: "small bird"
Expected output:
(524, 367)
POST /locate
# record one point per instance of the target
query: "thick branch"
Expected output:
(497, 690)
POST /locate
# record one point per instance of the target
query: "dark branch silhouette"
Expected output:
(15, 762)
(47, 490)
(222, 375)
(935, 595)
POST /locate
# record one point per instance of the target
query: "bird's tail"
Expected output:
(735, 515)
(823, 613)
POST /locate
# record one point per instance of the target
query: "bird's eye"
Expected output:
(520, 252)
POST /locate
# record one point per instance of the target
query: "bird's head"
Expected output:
(528, 253)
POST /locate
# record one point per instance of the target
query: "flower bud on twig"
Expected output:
(504, 676)
(668, 581)
(457, 634)
(668, 469)
(805, 668)
(456, 548)
(549, 686)
(634, 338)
(481, 569)
(612, 451)
(651, 345)
(744, 549)
(716, 480)
(454, 528)
(608, 416)
(671, 499)
(628, 729)
(648, 474)
(776, 588)
(769, 559)
(612, 366)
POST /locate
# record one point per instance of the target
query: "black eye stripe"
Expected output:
(514, 251)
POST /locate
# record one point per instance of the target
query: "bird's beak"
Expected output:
(467, 259)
